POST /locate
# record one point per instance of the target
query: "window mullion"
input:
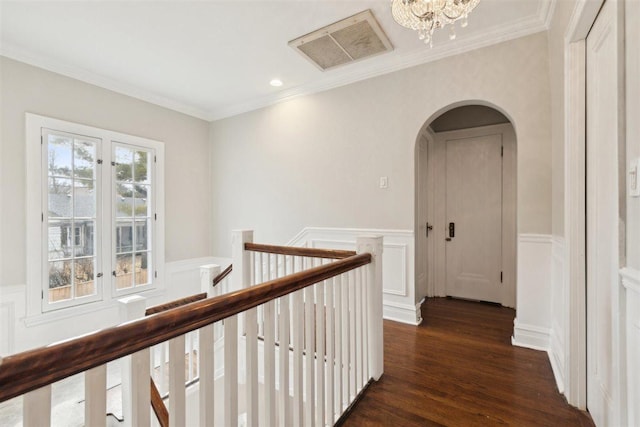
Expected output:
(107, 222)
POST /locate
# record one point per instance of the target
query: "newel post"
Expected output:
(373, 245)
(241, 273)
(207, 274)
(131, 308)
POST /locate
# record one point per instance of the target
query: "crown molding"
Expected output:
(395, 62)
(47, 63)
(546, 10)
(495, 35)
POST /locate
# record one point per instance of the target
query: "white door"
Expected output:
(474, 217)
(602, 212)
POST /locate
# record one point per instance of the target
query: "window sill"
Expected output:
(79, 310)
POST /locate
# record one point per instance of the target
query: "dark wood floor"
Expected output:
(459, 369)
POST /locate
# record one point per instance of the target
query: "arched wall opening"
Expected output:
(465, 204)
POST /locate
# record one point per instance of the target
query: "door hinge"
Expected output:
(155, 159)
(41, 140)
(42, 294)
(155, 274)
(113, 163)
(501, 277)
(42, 217)
(502, 151)
(99, 161)
(155, 216)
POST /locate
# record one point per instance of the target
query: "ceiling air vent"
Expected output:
(352, 39)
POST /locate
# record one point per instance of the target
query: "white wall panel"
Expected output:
(400, 301)
(533, 315)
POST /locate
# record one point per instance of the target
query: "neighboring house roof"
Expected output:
(60, 205)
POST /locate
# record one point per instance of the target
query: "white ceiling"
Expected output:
(213, 59)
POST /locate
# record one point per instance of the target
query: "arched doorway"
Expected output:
(465, 205)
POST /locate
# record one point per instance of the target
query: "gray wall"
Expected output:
(24, 88)
(316, 160)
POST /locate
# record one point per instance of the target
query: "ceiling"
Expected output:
(214, 59)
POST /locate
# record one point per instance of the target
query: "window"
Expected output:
(132, 205)
(98, 199)
(71, 214)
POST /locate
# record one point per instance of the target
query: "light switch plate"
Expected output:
(634, 185)
(384, 182)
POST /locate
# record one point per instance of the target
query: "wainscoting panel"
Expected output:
(399, 297)
(7, 327)
(19, 333)
(532, 325)
(559, 293)
(630, 279)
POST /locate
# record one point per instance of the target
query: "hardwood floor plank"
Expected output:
(459, 369)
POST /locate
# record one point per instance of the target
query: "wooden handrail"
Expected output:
(295, 251)
(158, 406)
(27, 371)
(220, 277)
(173, 304)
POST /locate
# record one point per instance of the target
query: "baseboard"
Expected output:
(557, 372)
(530, 336)
(402, 313)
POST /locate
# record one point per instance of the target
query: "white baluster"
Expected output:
(374, 245)
(346, 344)
(241, 260)
(251, 367)
(231, 371)
(309, 356)
(206, 353)
(365, 324)
(320, 337)
(269, 364)
(330, 314)
(358, 330)
(36, 407)
(261, 279)
(140, 389)
(177, 401)
(339, 344)
(353, 386)
(251, 357)
(207, 375)
(298, 328)
(95, 396)
(131, 308)
(284, 404)
(189, 346)
(163, 349)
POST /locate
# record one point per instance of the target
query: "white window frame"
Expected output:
(37, 275)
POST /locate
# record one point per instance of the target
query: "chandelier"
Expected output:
(425, 16)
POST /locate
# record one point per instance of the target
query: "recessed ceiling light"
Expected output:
(276, 82)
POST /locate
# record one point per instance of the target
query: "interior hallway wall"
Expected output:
(24, 88)
(316, 160)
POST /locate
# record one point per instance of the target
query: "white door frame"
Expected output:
(583, 17)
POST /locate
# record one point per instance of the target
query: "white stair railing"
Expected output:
(321, 345)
